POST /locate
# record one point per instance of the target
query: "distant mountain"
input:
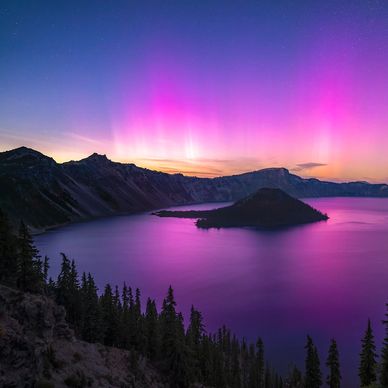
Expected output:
(45, 193)
(266, 208)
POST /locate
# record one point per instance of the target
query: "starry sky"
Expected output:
(201, 87)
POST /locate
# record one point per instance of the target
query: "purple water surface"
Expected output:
(324, 279)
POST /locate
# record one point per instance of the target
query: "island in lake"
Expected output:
(266, 208)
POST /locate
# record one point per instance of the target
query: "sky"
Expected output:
(202, 87)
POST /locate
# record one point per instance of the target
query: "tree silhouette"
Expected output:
(313, 378)
(8, 254)
(334, 377)
(384, 356)
(29, 266)
(368, 363)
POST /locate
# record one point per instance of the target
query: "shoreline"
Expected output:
(40, 231)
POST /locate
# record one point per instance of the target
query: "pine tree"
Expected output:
(180, 362)
(29, 271)
(173, 347)
(235, 364)
(260, 362)
(334, 377)
(139, 324)
(384, 356)
(67, 291)
(313, 377)
(194, 336)
(84, 295)
(151, 327)
(227, 347)
(126, 318)
(218, 364)
(131, 300)
(132, 321)
(196, 329)
(252, 373)
(205, 361)
(110, 317)
(76, 308)
(63, 284)
(168, 318)
(368, 363)
(91, 313)
(245, 362)
(125, 297)
(8, 254)
(255, 365)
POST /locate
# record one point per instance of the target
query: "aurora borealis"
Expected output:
(201, 87)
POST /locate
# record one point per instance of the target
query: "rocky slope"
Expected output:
(37, 349)
(266, 208)
(45, 193)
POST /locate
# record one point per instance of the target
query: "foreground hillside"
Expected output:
(45, 193)
(37, 349)
(266, 208)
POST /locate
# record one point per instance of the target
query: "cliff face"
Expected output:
(37, 349)
(43, 193)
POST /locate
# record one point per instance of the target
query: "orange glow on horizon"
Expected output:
(210, 168)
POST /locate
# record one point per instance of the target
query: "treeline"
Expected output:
(185, 354)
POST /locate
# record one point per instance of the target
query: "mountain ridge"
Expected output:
(44, 193)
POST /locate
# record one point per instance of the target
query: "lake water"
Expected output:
(323, 279)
